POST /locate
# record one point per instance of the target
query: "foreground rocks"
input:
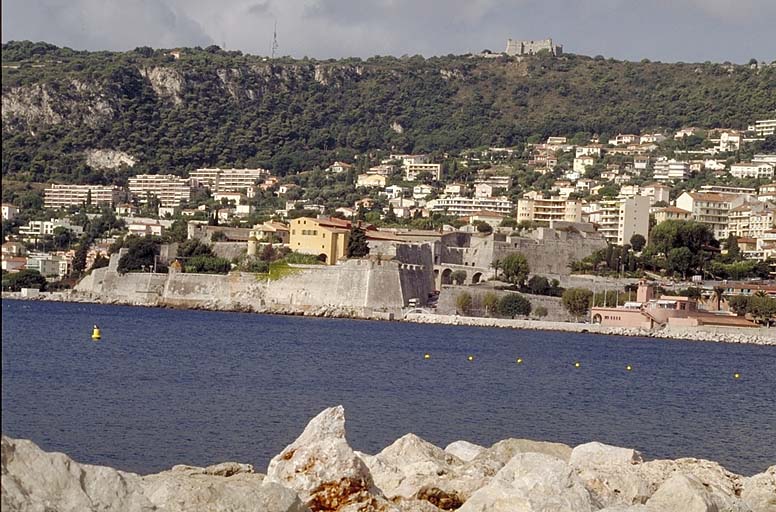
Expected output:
(319, 471)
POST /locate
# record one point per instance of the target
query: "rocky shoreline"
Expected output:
(320, 472)
(719, 335)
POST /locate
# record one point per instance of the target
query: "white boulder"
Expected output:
(464, 450)
(759, 492)
(598, 454)
(324, 470)
(532, 482)
(682, 493)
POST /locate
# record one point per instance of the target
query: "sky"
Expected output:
(660, 30)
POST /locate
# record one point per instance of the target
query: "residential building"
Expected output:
(14, 249)
(492, 218)
(653, 138)
(588, 151)
(729, 141)
(144, 228)
(50, 266)
(9, 211)
(383, 169)
(641, 162)
(582, 163)
(622, 218)
(62, 196)
(483, 190)
(714, 165)
(233, 198)
(656, 192)
(751, 219)
(711, 209)
(338, 167)
(554, 141)
(345, 212)
(412, 170)
(722, 189)
(671, 213)
(624, 139)
(229, 180)
(393, 191)
(13, 263)
(169, 189)
(39, 228)
(752, 170)
(455, 189)
(273, 232)
(665, 170)
(462, 206)
(686, 132)
(765, 157)
(326, 238)
(767, 193)
(496, 181)
(371, 181)
(408, 159)
(765, 127)
(421, 191)
(546, 211)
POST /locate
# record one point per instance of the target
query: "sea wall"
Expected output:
(319, 471)
(449, 294)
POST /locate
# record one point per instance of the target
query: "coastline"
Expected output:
(763, 337)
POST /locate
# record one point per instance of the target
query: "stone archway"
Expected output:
(447, 276)
(322, 258)
(476, 277)
(597, 318)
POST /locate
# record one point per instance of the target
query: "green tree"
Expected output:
(24, 279)
(638, 242)
(100, 261)
(141, 254)
(490, 303)
(577, 301)
(390, 216)
(515, 268)
(79, 258)
(62, 239)
(178, 231)
(484, 227)
(680, 260)
(539, 285)
(458, 277)
(514, 304)
(357, 244)
(463, 303)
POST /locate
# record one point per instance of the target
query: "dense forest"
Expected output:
(211, 107)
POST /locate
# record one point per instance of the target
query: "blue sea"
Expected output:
(165, 387)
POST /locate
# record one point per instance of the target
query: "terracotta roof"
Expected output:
(674, 209)
(713, 197)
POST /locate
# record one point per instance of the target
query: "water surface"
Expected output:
(167, 387)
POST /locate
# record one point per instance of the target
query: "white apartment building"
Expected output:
(9, 211)
(764, 157)
(620, 219)
(393, 192)
(412, 170)
(546, 211)
(407, 159)
(624, 139)
(582, 163)
(729, 141)
(455, 189)
(49, 265)
(656, 192)
(767, 193)
(653, 138)
(711, 209)
(62, 195)
(665, 170)
(371, 180)
(462, 206)
(765, 127)
(588, 151)
(231, 180)
(169, 189)
(751, 219)
(38, 228)
(382, 169)
(494, 180)
(483, 190)
(752, 170)
(641, 162)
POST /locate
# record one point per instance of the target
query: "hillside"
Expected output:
(216, 108)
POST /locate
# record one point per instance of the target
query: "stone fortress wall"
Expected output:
(382, 282)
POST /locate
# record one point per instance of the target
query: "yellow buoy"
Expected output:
(577, 364)
(470, 358)
(96, 333)
(736, 375)
(629, 368)
(519, 360)
(426, 356)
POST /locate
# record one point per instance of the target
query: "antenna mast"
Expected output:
(275, 40)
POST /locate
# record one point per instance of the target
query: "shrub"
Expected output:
(514, 304)
(577, 301)
(490, 303)
(541, 312)
(463, 303)
(208, 265)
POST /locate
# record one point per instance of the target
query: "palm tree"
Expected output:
(719, 294)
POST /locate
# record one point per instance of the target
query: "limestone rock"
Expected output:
(464, 450)
(34, 480)
(532, 482)
(682, 493)
(218, 489)
(324, 470)
(597, 454)
(759, 491)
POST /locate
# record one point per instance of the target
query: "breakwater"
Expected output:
(319, 471)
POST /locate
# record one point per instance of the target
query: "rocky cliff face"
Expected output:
(320, 472)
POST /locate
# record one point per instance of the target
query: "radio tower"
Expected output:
(275, 40)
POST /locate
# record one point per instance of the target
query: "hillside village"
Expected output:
(573, 207)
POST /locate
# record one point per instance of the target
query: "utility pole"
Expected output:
(274, 40)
